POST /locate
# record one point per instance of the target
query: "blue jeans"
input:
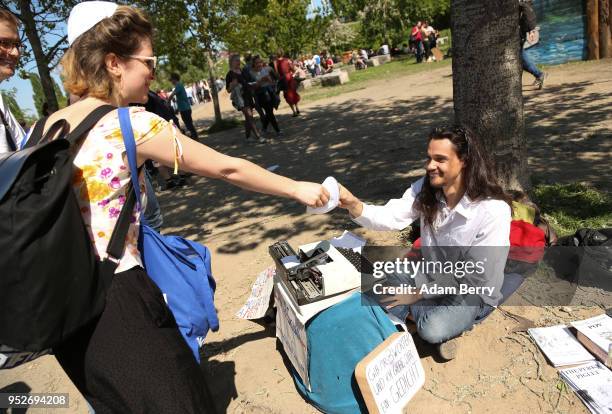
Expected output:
(441, 319)
(529, 66)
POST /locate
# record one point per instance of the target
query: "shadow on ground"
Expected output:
(376, 151)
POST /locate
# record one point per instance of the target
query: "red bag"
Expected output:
(527, 242)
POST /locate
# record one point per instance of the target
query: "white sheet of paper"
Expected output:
(598, 329)
(593, 379)
(331, 185)
(560, 346)
(348, 240)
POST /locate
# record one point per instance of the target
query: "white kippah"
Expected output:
(86, 15)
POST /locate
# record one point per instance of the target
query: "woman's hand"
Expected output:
(310, 194)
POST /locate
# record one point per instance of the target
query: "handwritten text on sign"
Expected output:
(393, 375)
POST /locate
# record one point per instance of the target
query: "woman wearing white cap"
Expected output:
(133, 359)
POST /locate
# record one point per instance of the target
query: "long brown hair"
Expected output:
(479, 173)
(83, 65)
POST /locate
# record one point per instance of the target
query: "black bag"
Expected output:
(51, 283)
(584, 258)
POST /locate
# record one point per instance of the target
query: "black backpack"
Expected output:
(51, 283)
(584, 257)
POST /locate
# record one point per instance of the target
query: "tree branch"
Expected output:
(5, 5)
(50, 54)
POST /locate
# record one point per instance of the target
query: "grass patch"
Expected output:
(224, 125)
(573, 206)
(360, 78)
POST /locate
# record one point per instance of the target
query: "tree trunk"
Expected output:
(487, 88)
(605, 35)
(213, 88)
(42, 64)
(592, 29)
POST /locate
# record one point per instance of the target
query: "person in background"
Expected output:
(416, 41)
(11, 132)
(205, 90)
(165, 179)
(299, 73)
(288, 84)
(219, 84)
(265, 92)
(317, 64)
(328, 64)
(430, 37)
(384, 49)
(239, 85)
(182, 103)
(246, 72)
(527, 21)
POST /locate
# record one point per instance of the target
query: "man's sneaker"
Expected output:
(539, 82)
(448, 349)
(262, 140)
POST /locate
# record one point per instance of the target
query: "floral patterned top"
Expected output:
(101, 179)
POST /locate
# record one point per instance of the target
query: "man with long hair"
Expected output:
(461, 208)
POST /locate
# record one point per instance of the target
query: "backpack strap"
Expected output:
(130, 148)
(116, 244)
(36, 137)
(36, 134)
(89, 122)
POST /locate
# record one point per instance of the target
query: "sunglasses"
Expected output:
(8, 45)
(150, 61)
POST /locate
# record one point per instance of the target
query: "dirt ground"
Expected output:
(372, 141)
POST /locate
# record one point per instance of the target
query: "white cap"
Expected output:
(86, 15)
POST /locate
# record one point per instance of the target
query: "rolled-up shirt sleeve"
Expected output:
(397, 214)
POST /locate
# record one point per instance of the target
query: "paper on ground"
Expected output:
(560, 346)
(259, 301)
(333, 188)
(598, 329)
(592, 382)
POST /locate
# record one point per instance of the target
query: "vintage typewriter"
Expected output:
(318, 271)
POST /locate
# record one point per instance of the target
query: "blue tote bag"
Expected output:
(179, 267)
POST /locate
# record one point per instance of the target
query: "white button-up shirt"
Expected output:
(15, 132)
(481, 229)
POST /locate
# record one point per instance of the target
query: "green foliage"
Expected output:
(267, 26)
(391, 20)
(38, 94)
(8, 96)
(340, 37)
(573, 206)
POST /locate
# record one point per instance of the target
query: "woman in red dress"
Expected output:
(284, 68)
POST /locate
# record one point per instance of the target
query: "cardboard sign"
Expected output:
(291, 331)
(390, 375)
(259, 301)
